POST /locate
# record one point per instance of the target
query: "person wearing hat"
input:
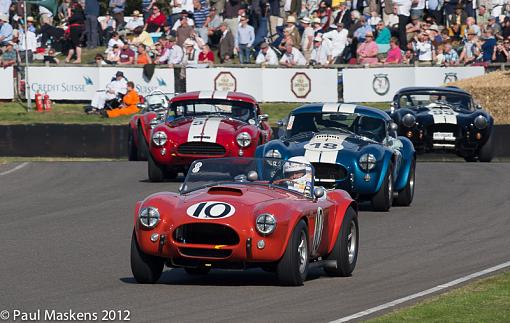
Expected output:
(244, 40)
(494, 25)
(8, 56)
(316, 25)
(30, 24)
(321, 53)
(226, 44)
(434, 35)
(190, 53)
(307, 37)
(368, 50)
(135, 21)
(5, 30)
(470, 51)
(117, 87)
(171, 52)
(129, 103)
(488, 45)
(338, 38)
(266, 55)
(293, 31)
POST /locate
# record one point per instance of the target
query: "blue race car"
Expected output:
(351, 147)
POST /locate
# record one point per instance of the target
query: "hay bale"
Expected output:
(492, 91)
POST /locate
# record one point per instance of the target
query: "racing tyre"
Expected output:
(405, 197)
(198, 271)
(487, 151)
(383, 199)
(470, 159)
(145, 268)
(132, 151)
(292, 269)
(156, 172)
(345, 251)
(143, 150)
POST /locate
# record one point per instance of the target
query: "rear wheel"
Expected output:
(292, 269)
(146, 269)
(470, 159)
(198, 271)
(156, 172)
(405, 197)
(132, 150)
(143, 150)
(345, 251)
(487, 151)
(383, 199)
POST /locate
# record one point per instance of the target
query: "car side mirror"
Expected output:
(182, 188)
(280, 123)
(393, 126)
(318, 192)
(252, 176)
(263, 117)
(478, 107)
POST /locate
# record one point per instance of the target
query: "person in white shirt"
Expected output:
(266, 55)
(177, 24)
(135, 21)
(403, 12)
(173, 53)
(321, 53)
(190, 53)
(292, 57)
(115, 40)
(338, 39)
(113, 89)
(423, 48)
(307, 37)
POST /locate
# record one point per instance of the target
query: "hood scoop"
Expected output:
(225, 190)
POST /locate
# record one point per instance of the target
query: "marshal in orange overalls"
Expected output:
(130, 101)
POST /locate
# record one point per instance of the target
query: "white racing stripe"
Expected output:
(444, 115)
(450, 118)
(347, 108)
(324, 148)
(210, 130)
(330, 107)
(422, 293)
(195, 129)
(12, 170)
(313, 156)
(205, 95)
(220, 95)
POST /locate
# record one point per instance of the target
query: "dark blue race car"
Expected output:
(351, 147)
(445, 119)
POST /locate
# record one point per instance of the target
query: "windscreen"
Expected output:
(457, 101)
(243, 111)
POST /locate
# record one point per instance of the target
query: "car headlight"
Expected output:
(266, 223)
(159, 138)
(367, 162)
(408, 120)
(273, 153)
(481, 122)
(243, 139)
(149, 217)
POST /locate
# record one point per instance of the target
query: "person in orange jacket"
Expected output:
(129, 103)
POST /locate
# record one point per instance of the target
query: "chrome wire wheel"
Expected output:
(302, 252)
(352, 241)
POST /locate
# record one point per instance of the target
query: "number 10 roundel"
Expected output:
(211, 210)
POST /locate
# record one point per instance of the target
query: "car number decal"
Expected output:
(205, 130)
(196, 167)
(444, 115)
(324, 148)
(211, 210)
(319, 225)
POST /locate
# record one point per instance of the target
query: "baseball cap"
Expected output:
(119, 73)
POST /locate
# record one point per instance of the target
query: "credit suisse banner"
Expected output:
(80, 83)
(7, 83)
(381, 84)
(268, 84)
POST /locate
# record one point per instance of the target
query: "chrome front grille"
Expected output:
(201, 148)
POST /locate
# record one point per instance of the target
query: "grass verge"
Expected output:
(487, 300)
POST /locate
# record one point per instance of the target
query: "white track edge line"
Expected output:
(20, 166)
(422, 293)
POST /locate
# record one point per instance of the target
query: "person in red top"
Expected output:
(206, 56)
(155, 21)
(394, 55)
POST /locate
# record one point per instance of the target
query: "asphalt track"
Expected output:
(65, 233)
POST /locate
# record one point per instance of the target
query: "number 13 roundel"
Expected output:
(211, 210)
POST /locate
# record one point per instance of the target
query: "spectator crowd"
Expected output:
(267, 32)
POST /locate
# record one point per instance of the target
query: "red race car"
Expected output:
(205, 125)
(240, 213)
(152, 113)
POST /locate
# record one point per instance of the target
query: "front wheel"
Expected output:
(487, 151)
(383, 199)
(156, 172)
(405, 197)
(145, 268)
(345, 251)
(292, 269)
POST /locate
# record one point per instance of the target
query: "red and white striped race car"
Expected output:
(205, 124)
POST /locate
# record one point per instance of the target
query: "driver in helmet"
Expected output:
(296, 175)
(241, 113)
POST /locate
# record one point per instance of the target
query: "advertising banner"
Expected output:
(7, 87)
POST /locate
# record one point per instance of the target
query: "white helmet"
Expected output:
(295, 164)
